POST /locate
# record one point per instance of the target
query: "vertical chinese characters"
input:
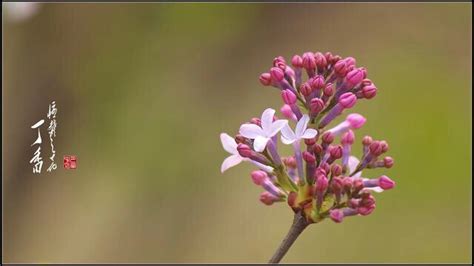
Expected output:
(37, 161)
(52, 111)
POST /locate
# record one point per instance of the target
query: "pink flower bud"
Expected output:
(336, 170)
(281, 65)
(244, 150)
(310, 141)
(357, 183)
(386, 183)
(329, 57)
(353, 203)
(355, 120)
(278, 59)
(289, 162)
(350, 61)
(287, 112)
(369, 91)
(308, 157)
(288, 97)
(367, 200)
(325, 167)
(328, 137)
(335, 152)
(258, 177)
(277, 73)
(290, 72)
(306, 89)
(265, 79)
(267, 198)
(335, 59)
(279, 62)
(388, 162)
(348, 137)
(347, 100)
(347, 183)
(317, 149)
(320, 171)
(316, 105)
(355, 76)
(320, 59)
(317, 82)
(321, 183)
(328, 90)
(366, 82)
(336, 215)
(297, 61)
(366, 210)
(375, 148)
(309, 62)
(367, 140)
(337, 184)
(340, 68)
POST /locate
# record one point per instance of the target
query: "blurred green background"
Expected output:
(143, 91)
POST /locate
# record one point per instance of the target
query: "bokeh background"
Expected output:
(143, 91)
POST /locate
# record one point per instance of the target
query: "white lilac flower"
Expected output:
(230, 146)
(261, 135)
(301, 131)
(234, 159)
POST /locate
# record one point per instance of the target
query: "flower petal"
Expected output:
(309, 133)
(301, 125)
(250, 131)
(229, 143)
(353, 163)
(374, 189)
(276, 126)
(260, 143)
(287, 141)
(263, 167)
(230, 161)
(287, 133)
(267, 119)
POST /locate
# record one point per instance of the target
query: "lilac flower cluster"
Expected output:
(321, 179)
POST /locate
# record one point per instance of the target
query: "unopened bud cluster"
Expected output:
(321, 178)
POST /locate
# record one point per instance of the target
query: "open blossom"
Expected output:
(230, 146)
(235, 158)
(261, 135)
(301, 131)
(321, 178)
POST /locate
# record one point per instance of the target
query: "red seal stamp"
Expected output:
(70, 162)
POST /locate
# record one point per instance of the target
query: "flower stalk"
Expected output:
(297, 227)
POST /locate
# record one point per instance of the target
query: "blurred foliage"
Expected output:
(143, 91)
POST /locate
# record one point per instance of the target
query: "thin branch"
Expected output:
(299, 224)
